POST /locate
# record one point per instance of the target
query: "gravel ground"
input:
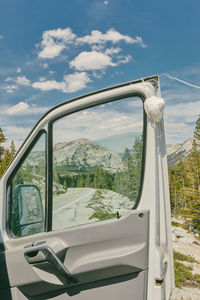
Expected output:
(187, 243)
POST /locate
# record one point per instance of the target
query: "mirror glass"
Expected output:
(28, 192)
(30, 204)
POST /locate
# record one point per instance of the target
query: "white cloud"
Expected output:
(18, 108)
(1, 36)
(42, 78)
(8, 88)
(11, 87)
(183, 112)
(23, 108)
(97, 37)
(124, 59)
(52, 72)
(49, 85)
(91, 61)
(18, 70)
(22, 80)
(100, 122)
(71, 83)
(45, 66)
(112, 50)
(8, 79)
(76, 81)
(9, 91)
(54, 41)
(95, 60)
(106, 2)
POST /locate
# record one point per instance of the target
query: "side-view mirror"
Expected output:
(29, 209)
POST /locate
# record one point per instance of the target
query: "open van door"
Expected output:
(85, 211)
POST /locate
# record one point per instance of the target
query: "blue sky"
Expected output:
(52, 51)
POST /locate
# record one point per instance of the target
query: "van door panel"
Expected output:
(100, 254)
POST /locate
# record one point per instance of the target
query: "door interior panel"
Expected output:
(97, 254)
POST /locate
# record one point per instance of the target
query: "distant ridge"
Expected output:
(177, 151)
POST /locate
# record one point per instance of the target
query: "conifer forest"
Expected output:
(184, 177)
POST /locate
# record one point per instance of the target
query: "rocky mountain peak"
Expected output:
(65, 145)
(177, 151)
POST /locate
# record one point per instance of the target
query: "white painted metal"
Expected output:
(155, 194)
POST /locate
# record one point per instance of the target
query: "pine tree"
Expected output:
(12, 149)
(2, 140)
(197, 132)
(6, 155)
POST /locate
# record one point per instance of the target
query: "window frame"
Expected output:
(15, 170)
(49, 216)
(49, 150)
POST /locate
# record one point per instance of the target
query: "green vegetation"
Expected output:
(197, 277)
(124, 182)
(184, 179)
(101, 210)
(176, 224)
(6, 155)
(182, 257)
(182, 273)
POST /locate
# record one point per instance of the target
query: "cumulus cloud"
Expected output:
(22, 80)
(52, 72)
(100, 122)
(49, 85)
(71, 83)
(10, 88)
(112, 50)
(23, 108)
(54, 41)
(20, 107)
(42, 78)
(95, 60)
(97, 37)
(91, 61)
(14, 83)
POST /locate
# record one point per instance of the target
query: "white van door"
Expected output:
(85, 210)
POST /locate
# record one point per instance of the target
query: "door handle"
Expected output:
(46, 254)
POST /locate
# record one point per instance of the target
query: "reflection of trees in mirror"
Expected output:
(31, 171)
(125, 182)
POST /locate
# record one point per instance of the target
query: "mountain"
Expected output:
(177, 151)
(83, 154)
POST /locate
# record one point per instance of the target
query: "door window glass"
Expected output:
(97, 162)
(28, 192)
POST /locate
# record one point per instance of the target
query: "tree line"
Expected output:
(184, 176)
(184, 180)
(6, 154)
(125, 182)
